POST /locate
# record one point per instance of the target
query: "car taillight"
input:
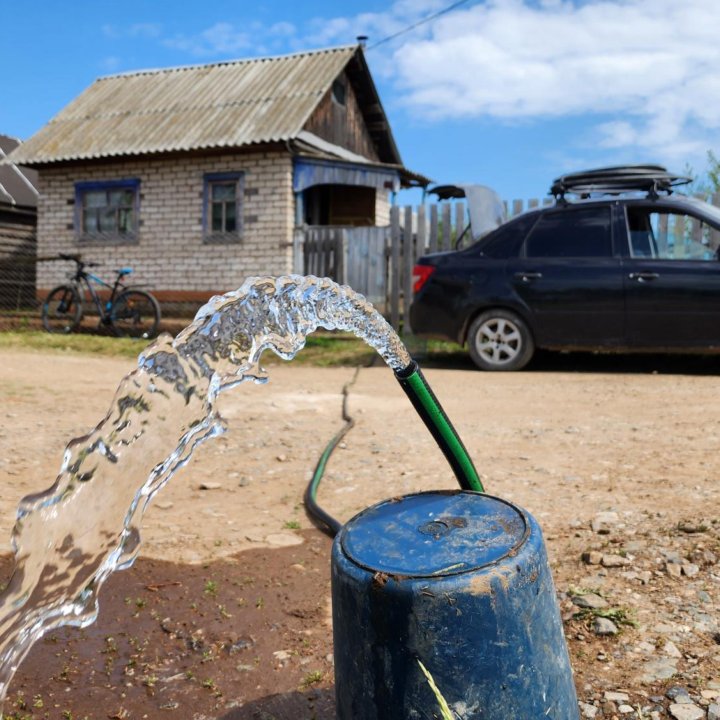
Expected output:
(421, 273)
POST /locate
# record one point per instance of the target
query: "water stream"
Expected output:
(68, 539)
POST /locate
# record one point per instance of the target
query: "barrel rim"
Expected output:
(448, 572)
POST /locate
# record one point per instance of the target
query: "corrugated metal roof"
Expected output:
(222, 105)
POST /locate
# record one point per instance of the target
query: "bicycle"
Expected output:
(127, 312)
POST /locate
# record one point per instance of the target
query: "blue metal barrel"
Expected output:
(459, 581)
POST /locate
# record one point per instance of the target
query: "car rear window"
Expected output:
(571, 232)
(505, 242)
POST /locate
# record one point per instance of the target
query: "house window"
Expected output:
(339, 92)
(107, 211)
(222, 215)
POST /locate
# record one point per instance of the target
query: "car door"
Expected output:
(569, 279)
(672, 278)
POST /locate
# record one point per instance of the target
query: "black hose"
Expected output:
(323, 520)
(428, 407)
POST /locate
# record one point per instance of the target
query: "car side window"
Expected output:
(572, 233)
(670, 235)
(505, 242)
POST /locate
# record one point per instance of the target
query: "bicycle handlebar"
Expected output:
(77, 259)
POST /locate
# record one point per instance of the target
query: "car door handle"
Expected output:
(643, 276)
(527, 277)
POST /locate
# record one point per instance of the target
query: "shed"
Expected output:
(18, 219)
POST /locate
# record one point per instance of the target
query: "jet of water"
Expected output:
(68, 539)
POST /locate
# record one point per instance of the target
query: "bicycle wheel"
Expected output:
(135, 313)
(62, 310)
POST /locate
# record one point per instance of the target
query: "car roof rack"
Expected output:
(652, 179)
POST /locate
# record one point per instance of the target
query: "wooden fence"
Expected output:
(354, 256)
(378, 261)
(383, 271)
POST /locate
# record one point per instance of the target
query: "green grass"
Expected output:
(322, 349)
(445, 711)
(619, 615)
(78, 344)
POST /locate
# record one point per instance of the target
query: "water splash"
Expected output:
(68, 539)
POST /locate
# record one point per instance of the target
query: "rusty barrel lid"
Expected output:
(434, 534)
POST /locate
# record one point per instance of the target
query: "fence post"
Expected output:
(421, 243)
(298, 250)
(459, 221)
(315, 257)
(395, 267)
(714, 234)
(408, 262)
(434, 229)
(341, 254)
(446, 221)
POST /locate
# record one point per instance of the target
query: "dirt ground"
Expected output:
(226, 612)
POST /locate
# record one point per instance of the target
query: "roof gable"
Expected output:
(216, 106)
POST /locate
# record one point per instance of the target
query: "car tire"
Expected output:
(499, 340)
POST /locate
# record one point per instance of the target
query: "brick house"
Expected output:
(197, 176)
(18, 219)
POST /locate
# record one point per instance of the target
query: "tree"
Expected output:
(706, 183)
(713, 171)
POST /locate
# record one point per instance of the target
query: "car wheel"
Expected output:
(500, 340)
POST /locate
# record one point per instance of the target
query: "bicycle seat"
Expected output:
(124, 271)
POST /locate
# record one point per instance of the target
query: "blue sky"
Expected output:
(507, 93)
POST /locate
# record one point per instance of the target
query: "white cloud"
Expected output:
(225, 40)
(146, 30)
(137, 30)
(507, 59)
(645, 72)
(110, 64)
(650, 66)
(281, 29)
(220, 39)
(345, 30)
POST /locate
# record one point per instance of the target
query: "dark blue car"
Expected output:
(625, 265)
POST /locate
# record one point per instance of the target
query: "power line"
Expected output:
(428, 19)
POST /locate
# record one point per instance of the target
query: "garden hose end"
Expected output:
(428, 407)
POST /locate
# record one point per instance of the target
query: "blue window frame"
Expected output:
(222, 206)
(107, 210)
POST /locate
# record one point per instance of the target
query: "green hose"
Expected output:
(428, 407)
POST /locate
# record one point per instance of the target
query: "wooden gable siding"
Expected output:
(18, 250)
(343, 125)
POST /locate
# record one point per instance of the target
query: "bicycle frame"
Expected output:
(89, 280)
(127, 310)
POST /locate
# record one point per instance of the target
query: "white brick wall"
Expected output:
(170, 253)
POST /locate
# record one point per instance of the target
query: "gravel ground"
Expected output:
(615, 457)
